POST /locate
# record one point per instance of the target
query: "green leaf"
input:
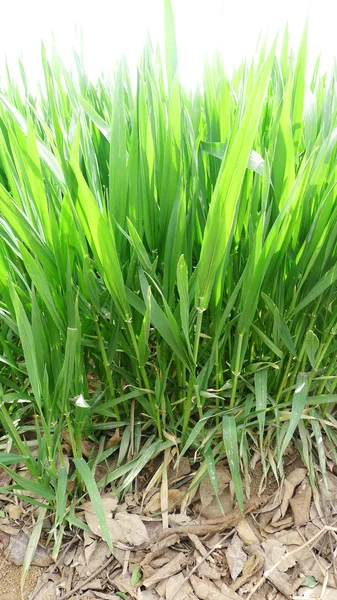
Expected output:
(25, 484)
(285, 333)
(326, 281)
(309, 581)
(211, 470)
(143, 340)
(182, 284)
(298, 404)
(229, 433)
(34, 539)
(268, 342)
(195, 432)
(320, 447)
(311, 343)
(28, 344)
(94, 495)
(61, 494)
(218, 149)
(260, 380)
(171, 54)
(224, 204)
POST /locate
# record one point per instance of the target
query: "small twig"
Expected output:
(325, 584)
(90, 578)
(196, 567)
(126, 562)
(286, 555)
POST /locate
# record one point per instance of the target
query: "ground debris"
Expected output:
(15, 548)
(236, 557)
(265, 552)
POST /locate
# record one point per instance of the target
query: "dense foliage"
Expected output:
(167, 268)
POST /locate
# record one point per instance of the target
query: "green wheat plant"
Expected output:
(167, 270)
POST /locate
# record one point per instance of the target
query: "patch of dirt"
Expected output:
(10, 580)
(292, 460)
(256, 477)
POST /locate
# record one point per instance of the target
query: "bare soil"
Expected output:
(10, 580)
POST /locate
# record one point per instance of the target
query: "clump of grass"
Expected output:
(167, 269)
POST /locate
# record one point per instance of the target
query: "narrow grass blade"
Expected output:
(298, 404)
(34, 539)
(229, 433)
(94, 495)
(311, 343)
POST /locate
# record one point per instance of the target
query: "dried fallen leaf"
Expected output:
(163, 560)
(317, 566)
(246, 533)
(90, 544)
(174, 566)
(207, 571)
(17, 547)
(123, 527)
(276, 506)
(100, 472)
(115, 530)
(286, 492)
(179, 519)
(5, 478)
(277, 579)
(159, 548)
(149, 595)
(109, 504)
(177, 581)
(174, 501)
(14, 511)
(300, 504)
(329, 496)
(8, 530)
(113, 440)
(134, 530)
(252, 566)
(235, 557)
(290, 483)
(197, 544)
(279, 525)
(182, 468)
(106, 596)
(206, 489)
(212, 510)
(206, 590)
(277, 551)
(48, 591)
(161, 588)
(290, 538)
(85, 567)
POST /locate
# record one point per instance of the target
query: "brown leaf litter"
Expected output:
(282, 545)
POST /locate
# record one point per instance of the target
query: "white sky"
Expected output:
(116, 26)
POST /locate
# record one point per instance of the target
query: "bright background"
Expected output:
(113, 27)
